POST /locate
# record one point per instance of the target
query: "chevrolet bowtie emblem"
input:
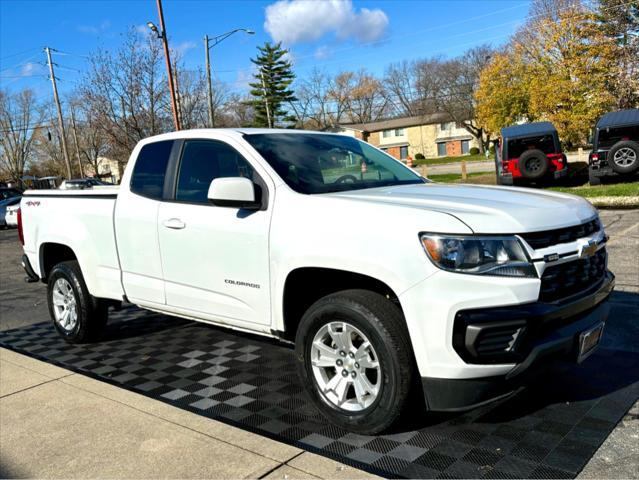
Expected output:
(588, 249)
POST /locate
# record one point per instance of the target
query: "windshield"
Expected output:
(320, 163)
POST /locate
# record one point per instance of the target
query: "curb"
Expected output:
(614, 202)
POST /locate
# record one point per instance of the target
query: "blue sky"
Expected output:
(334, 35)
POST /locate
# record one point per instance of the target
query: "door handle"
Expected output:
(174, 223)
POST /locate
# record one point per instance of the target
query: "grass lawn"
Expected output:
(440, 160)
(626, 189)
(629, 189)
(477, 177)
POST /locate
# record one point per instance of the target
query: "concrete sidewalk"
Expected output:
(55, 423)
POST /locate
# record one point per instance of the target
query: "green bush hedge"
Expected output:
(474, 151)
(419, 156)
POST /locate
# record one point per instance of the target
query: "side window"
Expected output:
(150, 168)
(204, 160)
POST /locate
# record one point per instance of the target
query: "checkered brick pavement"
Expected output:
(549, 430)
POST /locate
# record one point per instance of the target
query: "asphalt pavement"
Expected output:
(54, 423)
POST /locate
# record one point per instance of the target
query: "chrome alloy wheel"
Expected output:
(625, 157)
(346, 366)
(64, 305)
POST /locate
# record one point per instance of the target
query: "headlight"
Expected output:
(502, 256)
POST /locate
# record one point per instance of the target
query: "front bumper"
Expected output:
(547, 331)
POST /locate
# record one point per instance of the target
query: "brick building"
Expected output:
(431, 135)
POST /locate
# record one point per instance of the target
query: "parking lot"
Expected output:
(24, 304)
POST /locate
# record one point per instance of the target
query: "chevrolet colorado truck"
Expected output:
(391, 287)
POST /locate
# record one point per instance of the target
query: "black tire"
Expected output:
(628, 152)
(533, 164)
(91, 312)
(383, 324)
(593, 180)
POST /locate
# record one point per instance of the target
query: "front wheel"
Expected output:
(355, 359)
(77, 315)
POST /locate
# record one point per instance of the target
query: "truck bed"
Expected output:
(81, 220)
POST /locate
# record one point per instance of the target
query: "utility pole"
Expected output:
(75, 139)
(268, 110)
(208, 80)
(63, 138)
(165, 42)
(178, 100)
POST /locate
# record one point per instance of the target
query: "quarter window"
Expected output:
(150, 168)
(204, 160)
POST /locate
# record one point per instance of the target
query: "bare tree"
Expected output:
(449, 87)
(360, 95)
(126, 93)
(401, 82)
(21, 120)
(236, 112)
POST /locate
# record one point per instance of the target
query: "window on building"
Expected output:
(403, 152)
(150, 168)
(397, 132)
(441, 149)
(446, 126)
(465, 146)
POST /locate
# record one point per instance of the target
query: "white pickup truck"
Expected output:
(390, 286)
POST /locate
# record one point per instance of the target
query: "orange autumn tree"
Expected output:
(502, 96)
(559, 67)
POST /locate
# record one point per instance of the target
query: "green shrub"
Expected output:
(474, 151)
(492, 149)
(419, 156)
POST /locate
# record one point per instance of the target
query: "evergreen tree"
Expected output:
(270, 91)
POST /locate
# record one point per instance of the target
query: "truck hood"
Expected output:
(485, 209)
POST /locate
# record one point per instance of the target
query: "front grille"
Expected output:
(549, 238)
(570, 278)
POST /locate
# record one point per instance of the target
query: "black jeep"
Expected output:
(615, 146)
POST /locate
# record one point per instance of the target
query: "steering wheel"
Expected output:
(346, 179)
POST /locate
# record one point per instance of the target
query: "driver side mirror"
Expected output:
(235, 192)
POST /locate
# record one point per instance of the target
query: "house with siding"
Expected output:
(431, 135)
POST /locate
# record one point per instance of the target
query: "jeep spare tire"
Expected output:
(623, 157)
(533, 164)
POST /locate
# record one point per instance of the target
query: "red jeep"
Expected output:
(529, 153)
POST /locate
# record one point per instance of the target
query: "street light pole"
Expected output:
(162, 34)
(208, 44)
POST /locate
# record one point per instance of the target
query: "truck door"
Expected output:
(215, 259)
(136, 225)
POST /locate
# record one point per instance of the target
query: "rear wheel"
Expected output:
(355, 359)
(533, 164)
(623, 157)
(77, 315)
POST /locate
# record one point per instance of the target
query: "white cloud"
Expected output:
(297, 21)
(30, 69)
(95, 29)
(322, 52)
(182, 48)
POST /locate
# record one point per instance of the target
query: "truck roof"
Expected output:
(528, 129)
(231, 131)
(621, 117)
